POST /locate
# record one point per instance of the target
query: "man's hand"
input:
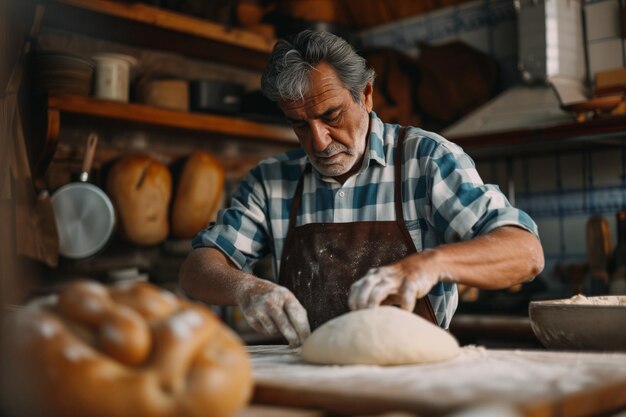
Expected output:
(400, 283)
(271, 309)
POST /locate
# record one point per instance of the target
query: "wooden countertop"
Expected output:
(526, 383)
(270, 411)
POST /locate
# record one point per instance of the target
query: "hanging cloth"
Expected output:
(35, 225)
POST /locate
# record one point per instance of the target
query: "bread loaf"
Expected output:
(198, 195)
(122, 351)
(140, 188)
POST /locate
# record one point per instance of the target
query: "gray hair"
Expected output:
(287, 74)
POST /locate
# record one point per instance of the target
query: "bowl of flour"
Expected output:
(580, 323)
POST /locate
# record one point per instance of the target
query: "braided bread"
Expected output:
(126, 350)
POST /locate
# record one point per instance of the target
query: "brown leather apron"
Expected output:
(321, 261)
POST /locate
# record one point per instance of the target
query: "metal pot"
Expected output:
(84, 215)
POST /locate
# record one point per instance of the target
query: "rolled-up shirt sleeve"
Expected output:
(240, 231)
(462, 206)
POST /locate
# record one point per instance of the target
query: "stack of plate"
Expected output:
(57, 72)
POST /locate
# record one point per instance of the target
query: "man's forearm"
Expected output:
(500, 259)
(208, 275)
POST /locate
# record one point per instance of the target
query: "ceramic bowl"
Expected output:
(581, 323)
(57, 72)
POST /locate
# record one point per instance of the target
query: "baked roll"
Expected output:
(122, 351)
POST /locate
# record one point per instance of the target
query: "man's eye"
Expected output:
(333, 119)
(298, 125)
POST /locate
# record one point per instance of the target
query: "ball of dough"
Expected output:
(379, 336)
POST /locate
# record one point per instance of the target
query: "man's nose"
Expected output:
(319, 136)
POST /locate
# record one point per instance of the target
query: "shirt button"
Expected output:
(341, 193)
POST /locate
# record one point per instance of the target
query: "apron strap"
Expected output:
(398, 185)
(293, 214)
(297, 199)
(423, 307)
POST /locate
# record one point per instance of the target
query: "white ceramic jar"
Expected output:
(112, 81)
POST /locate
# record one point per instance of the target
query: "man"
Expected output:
(364, 213)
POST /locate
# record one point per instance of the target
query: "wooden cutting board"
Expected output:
(528, 383)
(271, 411)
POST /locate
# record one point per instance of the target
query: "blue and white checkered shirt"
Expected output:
(444, 201)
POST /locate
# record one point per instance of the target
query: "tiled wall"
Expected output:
(605, 47)
(560, 191)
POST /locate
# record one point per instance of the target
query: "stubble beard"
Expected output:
(348, 158)
(345, 160)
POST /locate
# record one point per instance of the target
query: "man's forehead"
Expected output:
(325, 88)
(319, 102)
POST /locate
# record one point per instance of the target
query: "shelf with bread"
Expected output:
(60, 106)
(158, 208)
(152, 27)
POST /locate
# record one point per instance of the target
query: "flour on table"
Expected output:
(608, 300)
(475, 376)
(379, 336)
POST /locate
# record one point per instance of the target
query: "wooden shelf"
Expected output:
(58, 106)
(149, 27)
(609, 131)
(152, 27)
(147, 115)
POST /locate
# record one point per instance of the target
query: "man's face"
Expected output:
(330, 125)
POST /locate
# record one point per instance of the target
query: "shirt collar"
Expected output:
(375, 151)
